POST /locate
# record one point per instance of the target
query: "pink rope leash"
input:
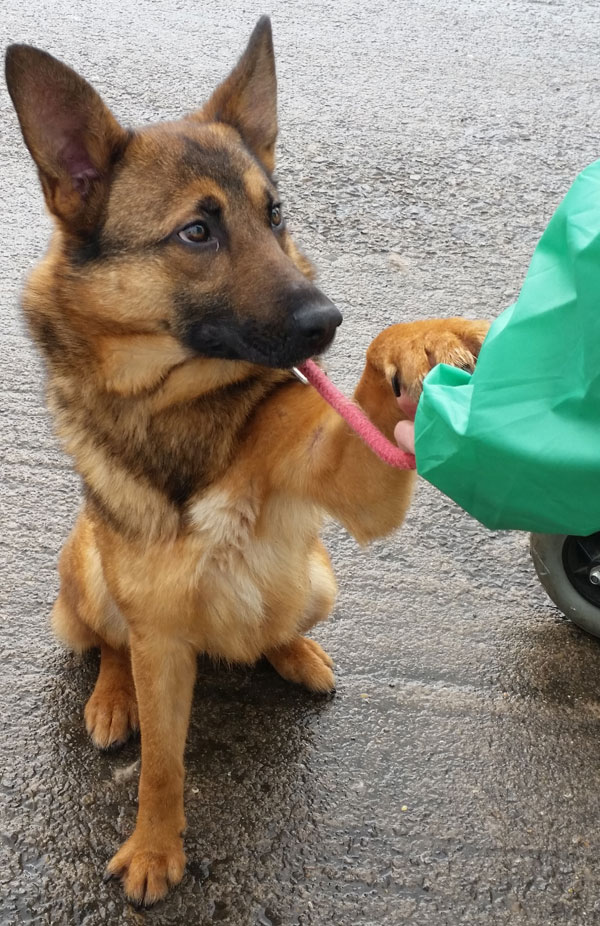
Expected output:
(358, 421)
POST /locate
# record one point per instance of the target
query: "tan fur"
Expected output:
(206, 479)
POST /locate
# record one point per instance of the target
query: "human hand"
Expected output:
(404, 432)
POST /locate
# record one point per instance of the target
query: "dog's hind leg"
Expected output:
(302, 660)
(85, 616)
(111, 714)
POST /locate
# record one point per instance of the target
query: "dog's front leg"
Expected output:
(152, 859)
(308, 450)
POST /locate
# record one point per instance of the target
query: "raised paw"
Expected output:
(148, 867)
(305, 662)
(406, 353)
(111, 714)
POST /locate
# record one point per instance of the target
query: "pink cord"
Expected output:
(357, 419)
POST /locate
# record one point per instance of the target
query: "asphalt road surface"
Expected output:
(453, 778)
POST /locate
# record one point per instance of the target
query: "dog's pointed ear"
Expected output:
(72, 136)
(247, 99)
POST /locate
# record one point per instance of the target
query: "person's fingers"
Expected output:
(407, 406)
(404, 432)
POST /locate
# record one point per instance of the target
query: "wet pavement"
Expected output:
(453, 777)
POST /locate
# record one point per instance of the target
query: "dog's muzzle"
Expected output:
(314, 326)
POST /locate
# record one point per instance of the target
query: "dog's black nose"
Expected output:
(315, 322)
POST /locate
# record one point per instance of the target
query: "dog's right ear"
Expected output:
(72, 136)
(247, 99)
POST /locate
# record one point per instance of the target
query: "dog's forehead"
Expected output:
(169, 167)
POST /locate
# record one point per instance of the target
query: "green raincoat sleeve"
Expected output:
(517, 444)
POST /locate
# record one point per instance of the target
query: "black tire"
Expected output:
(552, 556)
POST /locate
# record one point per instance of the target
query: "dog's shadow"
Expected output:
(249, 791)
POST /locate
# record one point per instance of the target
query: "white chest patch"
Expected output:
(237, 565)
(222, 521)
(225, 527)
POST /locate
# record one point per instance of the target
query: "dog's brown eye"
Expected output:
(276, 216)
(196, 233)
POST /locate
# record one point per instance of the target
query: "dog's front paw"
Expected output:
(148, 866)
(406, 353)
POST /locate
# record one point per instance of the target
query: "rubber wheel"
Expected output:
(562, 563)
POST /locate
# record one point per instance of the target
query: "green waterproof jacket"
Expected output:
(517, 444)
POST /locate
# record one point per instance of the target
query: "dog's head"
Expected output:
(176, 228)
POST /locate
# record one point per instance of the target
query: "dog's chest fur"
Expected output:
(236, 559)
(252, 566)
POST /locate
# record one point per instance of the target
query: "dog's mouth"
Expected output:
(307, 332)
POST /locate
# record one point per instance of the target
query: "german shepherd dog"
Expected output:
(169, 308)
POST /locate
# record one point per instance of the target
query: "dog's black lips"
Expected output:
(216, 331)
(248, 340)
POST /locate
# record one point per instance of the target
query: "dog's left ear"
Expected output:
(247, 99)
(72, 136)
